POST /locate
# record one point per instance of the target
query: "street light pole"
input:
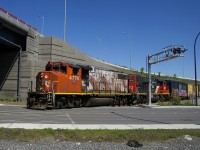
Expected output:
(65, 23)
(42, 17)
(129, 45)
(195, 68)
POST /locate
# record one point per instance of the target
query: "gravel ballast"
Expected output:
(181, 143)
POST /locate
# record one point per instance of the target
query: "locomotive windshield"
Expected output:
(75, 71)
(56, 67)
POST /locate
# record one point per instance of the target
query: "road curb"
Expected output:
(157, 106)
(98, 126)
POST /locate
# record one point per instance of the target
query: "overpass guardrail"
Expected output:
(16, 18)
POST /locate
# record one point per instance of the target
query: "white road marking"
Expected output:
(169, 107)
(68, 116)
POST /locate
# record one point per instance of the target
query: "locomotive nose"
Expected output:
(43, 82)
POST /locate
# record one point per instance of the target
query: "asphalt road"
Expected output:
(101, 115)
(166, 116)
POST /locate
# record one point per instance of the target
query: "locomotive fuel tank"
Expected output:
(99, 102)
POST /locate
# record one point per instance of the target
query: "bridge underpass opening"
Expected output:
(10, 48)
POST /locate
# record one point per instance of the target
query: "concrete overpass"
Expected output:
(24, 52)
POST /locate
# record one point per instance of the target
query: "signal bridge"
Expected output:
(168, 53)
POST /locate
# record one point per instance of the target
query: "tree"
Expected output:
(159, 74)
(142, 70)
(174, 76)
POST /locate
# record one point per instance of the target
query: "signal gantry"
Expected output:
(168, 53)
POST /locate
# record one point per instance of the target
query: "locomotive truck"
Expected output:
(64, 85)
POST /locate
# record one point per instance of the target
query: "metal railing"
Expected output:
(16, 18)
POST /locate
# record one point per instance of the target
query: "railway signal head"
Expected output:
(178, 50)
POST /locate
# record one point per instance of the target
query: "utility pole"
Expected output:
(195, 69)
(168, 53)
(65, 23)
(130, 53)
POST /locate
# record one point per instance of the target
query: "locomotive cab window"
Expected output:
(63, 69)
(75, 71)
(48, 67)
(56, 67)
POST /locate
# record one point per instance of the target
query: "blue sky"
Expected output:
(96, 28)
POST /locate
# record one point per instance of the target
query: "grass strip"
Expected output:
(141, 135)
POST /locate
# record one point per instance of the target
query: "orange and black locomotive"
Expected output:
(64, 85)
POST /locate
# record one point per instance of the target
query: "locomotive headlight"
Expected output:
(46, 76)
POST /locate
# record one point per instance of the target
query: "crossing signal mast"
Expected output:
(168, 53)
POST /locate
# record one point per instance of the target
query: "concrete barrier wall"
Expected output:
(39, 50)
(29, 57)
(36, 52)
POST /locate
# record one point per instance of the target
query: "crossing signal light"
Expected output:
(174, 51)
(178, 50)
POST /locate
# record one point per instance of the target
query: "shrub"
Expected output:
(175, 100)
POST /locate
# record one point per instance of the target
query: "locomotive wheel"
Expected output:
(59, 105)
(77, 102)
(70, 103)
(113, 103)
(35, 105)
(130, 102)
(42, 103)
(124, 102)
(42, 106)
(141, 101)
(82, 102)
(29, 104)
(119, 102)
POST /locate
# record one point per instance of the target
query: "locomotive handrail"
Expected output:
(53, 93)
(14, 17)
(52, 86)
